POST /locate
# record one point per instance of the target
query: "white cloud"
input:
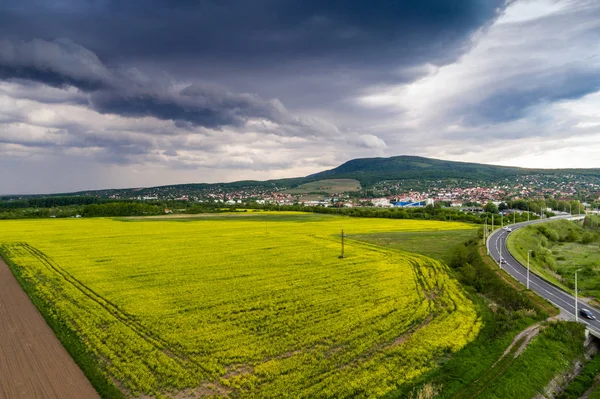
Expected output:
(367, 141)
(524, 78)
(529, 10)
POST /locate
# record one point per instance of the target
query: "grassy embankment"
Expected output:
(242, 306)
(559, 249)
(554, 351)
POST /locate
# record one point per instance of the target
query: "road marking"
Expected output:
(535, 281)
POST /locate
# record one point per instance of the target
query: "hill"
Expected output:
(367, 171)
(373, 170)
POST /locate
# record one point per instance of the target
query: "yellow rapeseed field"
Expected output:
(246, 305)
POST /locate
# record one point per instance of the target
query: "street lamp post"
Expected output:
(484, 236)
(500, 255)
(528, 252)
(576, 314)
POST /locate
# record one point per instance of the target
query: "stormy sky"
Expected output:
(107, 93)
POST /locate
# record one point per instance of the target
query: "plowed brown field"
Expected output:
(33, 363)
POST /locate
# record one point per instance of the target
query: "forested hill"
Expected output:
(373, 170)
(367, 171)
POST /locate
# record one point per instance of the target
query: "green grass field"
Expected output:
(557, 251)
(435, 244)
(244, 305)
(329, 186)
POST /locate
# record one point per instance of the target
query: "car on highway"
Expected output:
(502, 260)
(587, 314)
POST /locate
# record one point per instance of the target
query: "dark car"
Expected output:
(587, 314)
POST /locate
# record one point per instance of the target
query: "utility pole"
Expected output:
(342, 256)
(528, 252)
(501, 220)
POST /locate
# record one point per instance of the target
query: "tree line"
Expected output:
(98, 207)
(51, 202)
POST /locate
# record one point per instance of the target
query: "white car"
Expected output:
(502, 260)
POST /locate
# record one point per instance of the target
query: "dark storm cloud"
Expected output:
(58, 63)
(201, 105)
(129, 92)
(260, 33)
(220, 40)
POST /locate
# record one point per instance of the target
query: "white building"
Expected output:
(381, 202)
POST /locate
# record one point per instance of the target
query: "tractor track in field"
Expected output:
(33, 363)
(125, 318)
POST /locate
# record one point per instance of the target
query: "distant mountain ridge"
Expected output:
(369, 171)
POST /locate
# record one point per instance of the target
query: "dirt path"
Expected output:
(522, 339)
(33, 363)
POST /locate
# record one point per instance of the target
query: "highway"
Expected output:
(497, 244)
